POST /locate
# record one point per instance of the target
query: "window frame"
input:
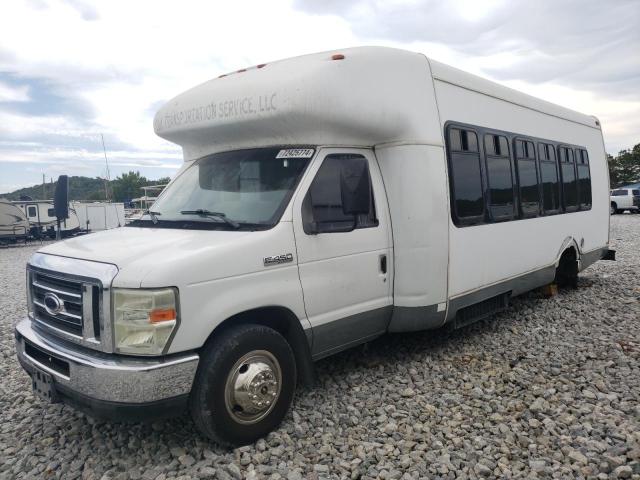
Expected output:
(583, 153)
(305, 199)
(538, 143)
(569, 149)
(475, 219)
(515, 195)
(552, 148)
(534, 159)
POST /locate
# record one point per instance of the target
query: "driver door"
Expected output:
(344, 260)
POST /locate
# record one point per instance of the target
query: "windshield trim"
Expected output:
(275, 218)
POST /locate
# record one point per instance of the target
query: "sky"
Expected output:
(73, 70)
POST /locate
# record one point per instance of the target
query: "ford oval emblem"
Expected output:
(52, 303)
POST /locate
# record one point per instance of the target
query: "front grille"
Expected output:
(63, 303)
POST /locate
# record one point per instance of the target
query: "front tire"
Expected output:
(244, 385)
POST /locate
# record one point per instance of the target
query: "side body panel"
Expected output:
(483, 255)
(415, 180)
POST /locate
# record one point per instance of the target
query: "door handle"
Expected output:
(383, 263)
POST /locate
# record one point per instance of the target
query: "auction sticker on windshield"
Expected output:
(296, 153)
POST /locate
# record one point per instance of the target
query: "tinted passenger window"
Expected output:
(524, 149)
(500, 177)
(569, 180)
(549, 179)
(323, 202)
(584, 179)
(527, 178)
(464, 172)
(619, 193)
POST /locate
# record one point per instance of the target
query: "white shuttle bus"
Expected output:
(324, 200)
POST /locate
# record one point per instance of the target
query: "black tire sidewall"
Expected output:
(219, 357)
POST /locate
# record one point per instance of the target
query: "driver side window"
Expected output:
(340, 183)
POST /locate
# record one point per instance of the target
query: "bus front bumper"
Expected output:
(105, 385)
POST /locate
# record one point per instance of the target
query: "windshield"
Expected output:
(245, 189)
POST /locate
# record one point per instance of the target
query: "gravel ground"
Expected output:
(548, 389)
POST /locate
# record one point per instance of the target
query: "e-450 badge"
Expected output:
(278, 259)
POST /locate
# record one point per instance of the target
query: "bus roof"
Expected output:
(362, 96)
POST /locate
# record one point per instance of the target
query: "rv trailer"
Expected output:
(41, 216)
(14, 225)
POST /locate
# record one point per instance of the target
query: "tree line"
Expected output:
(624, 168)
(122, 189)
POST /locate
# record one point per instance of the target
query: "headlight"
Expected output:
(144, 319)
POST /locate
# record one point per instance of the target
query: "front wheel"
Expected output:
(244, 386)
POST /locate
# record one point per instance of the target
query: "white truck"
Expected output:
(324, 200)
(625, 199)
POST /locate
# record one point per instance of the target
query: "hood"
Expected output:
(152, 257)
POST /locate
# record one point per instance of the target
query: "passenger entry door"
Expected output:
(344, 260)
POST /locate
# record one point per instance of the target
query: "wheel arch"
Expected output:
(285, 322)
(568, 263)
(569, 246)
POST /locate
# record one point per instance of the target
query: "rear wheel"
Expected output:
(613, 209)
(244, 386)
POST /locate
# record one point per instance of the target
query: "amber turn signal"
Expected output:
(164, 315)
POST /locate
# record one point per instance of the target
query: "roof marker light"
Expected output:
(261, 65)
(337, 56)
(241, 70)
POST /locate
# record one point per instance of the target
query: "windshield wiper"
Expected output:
(153, 215)
(208, 213)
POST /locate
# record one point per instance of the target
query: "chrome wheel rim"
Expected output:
(253, 387)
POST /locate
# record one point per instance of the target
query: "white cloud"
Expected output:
(10, 93)
(133, 56)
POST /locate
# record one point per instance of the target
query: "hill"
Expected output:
(123, 188)
(80, 188)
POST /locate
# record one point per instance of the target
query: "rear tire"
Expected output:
(613, 209)
(567, 271)
(244, 385)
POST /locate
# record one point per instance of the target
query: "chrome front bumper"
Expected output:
(91, 378)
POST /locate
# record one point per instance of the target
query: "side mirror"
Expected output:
(355, 186)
